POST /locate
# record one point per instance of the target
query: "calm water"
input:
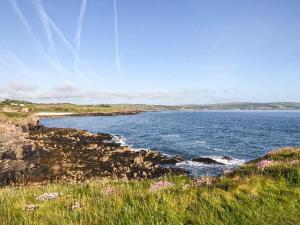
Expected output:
(242, 135)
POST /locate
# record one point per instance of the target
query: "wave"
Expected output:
(118, 140)
(122, 141)
(231, 161)
(194, 168)
(227, 162)
(201, 142)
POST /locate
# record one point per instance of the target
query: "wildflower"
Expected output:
(294, 162)
(204, 181)
(160, 185)
(227, 171)
(30, 207)
(264, 164)
(107, 190)
(47, 196)
(76, 205)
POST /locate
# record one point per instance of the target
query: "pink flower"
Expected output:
(47, 196)
(30, 207)
(160, 185)
(264, 164)
(294, 162)
(204, 181)
(107, 190)
(227, 171)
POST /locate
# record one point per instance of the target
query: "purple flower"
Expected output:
(160, 185)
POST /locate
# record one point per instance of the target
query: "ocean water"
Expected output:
(242, 135)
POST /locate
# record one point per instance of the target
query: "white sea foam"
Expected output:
(139, 149)
(232, 162)
(190, 163)
(170, 137)
(201, 142)
(119, 140)
(122, 141)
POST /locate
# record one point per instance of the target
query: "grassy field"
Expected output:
(68, 107)
(265, 191)
(109, 108)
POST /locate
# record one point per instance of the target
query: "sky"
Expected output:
(153, 52)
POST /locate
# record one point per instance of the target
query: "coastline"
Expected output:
(75, 154)
(62, 114)
(53, 174)
(31, 153)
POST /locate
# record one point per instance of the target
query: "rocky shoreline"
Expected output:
(31, 154)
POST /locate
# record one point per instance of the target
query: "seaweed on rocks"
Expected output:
(71, 155)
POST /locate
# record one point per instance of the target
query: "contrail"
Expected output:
(24, 21)
(25, 68)
(117, 37)
(21, 67)
(80, 24)
(133, 39)
(60, 34)
(4, 62)
(46, 26)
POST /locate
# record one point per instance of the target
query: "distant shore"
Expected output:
(60, 114)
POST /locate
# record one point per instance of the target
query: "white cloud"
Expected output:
(20, 87)
(67, 91)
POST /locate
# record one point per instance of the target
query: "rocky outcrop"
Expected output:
(206, 161)
(14, 145)
(37, 154)
(79, 155)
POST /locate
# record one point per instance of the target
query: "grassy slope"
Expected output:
(247, 196)
(107, 108)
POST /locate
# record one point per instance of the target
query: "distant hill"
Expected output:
(245, 106)
(68, 107)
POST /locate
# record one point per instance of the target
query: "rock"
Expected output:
(138, 160)
(71, 155)
(172, 160)
(227, 158)
(207, 161)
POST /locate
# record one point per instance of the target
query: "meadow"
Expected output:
(264, 191)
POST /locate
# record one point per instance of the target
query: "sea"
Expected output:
(241, 135)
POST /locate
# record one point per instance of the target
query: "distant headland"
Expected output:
(17, 108)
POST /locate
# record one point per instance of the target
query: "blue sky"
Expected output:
(142, 51)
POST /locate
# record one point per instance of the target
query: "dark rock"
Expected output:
(227, 158)
(207, 161)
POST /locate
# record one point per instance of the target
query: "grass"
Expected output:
(13, 116)
(16, 105)
(246, 196)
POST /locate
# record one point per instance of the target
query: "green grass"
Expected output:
(247, 196)
(13, 116)
(108, 108)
